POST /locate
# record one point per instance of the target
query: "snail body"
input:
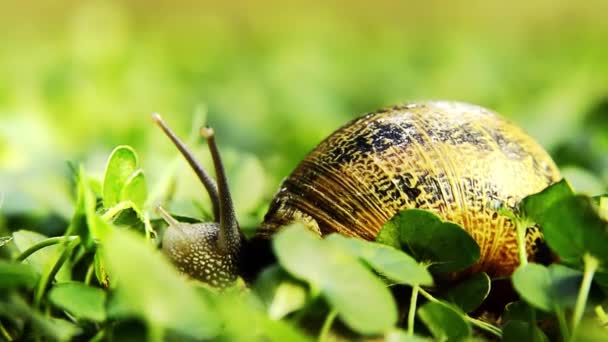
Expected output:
(460, 161)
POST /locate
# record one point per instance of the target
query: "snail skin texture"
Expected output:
(460, 161)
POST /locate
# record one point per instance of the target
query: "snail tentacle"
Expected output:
(229, 235)
(198, 169)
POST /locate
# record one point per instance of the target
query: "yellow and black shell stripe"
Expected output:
(457, 160)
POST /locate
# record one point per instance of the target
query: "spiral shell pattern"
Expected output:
(460, 161)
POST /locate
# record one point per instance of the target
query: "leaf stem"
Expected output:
(4, 333)
(478, 323)
(155, 332)
(412, 313)
(590, 266)
(601, 315)
(89, 274)
(329, 320)
(484, 326)
(149, 231)
(109, 215)
(427, 295)
(44, 243)
(5, 239)
(603, 208)
(46, 278)
(144, 217)
(563, 325)
(99, 336)
(532, 325)
(520, 227)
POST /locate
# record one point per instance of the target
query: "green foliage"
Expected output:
(517, 331)
(87, 75)
(43, 326)
(90, 304)
(5, 239)
(444, 245)
(120, 168)
(338, 277)
(444, 321)
(247, 172)
(536, 206)
(313, 281)
(134, 190)
(128, 261)
(573, 225)
(547, 288)
(402, 336)
(576, 230)
(124, 182)
(25, 239)
(387, 261)
(573, 228)
(14, 275)
(280, 293)
(244, 319)
(470, 293)
(522, 311)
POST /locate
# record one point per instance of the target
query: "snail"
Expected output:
(460, 161)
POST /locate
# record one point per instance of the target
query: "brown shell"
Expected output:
(458, 160)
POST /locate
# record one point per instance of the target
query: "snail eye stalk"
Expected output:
(198, 169)
(207, 251)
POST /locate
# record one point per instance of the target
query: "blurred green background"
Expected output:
(78, 78)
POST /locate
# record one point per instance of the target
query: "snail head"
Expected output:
(206, 251)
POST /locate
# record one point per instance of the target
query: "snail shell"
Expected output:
(460, 161)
